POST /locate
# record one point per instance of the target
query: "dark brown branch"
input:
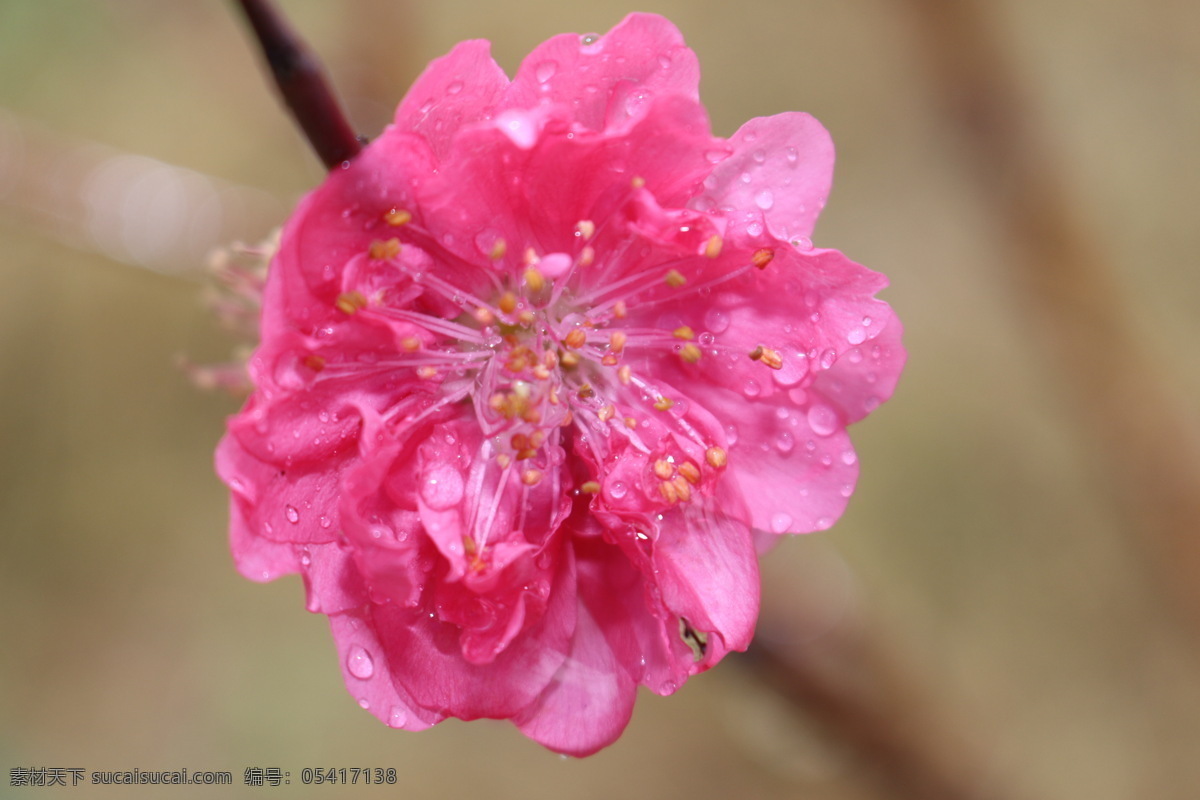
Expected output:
(302, 83)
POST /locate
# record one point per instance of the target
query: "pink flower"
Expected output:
(541, 371)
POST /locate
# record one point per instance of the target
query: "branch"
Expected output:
(302, 83)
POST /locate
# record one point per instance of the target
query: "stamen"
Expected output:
(616, 341)
(576, 339)
(625, 375)
(397, 217)
(585, 228)
(684, 332)
(590, 487)
(499, 248)
(716, 457)
(484, 316)
(314, 362)
(350, 302)
(534, 280)
(530, 477)
(586, 256)
(712, 248)
(383, 251)
(767, 356)
(762, 257)
(619, 309)
(690, 472)
(663, 469)
(690, 353)
(674, 278)
(663, 403)
(508, 302)
(638, 182)
(410, 343)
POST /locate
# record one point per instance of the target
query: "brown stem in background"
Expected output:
(1143, 446)
(302, 83)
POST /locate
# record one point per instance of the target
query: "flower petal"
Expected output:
(779, 174)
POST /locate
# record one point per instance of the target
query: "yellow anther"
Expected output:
(767, 356)
(690, 353)
(530, 257)
(716, 457)
(553, 397)
(682, 488)
(508, 302)
(397, 217)
(610, 360)
(519, 441)
(576, 339)
(664, 469)
(534, 280)
(569, 359)
(425, 373)
(550, 359)
(499, 248)
(503, 459)
(314, 362)
(526, 454)
(616, 341)
(674, 278)
(537, 439)
(585, 392)
(484, 316)
(531, 476)
(690, 472)
(411, 343)
(567, 420)
(526, 317)
(684, 332)
(630, 423)
(762, 257)
(585, 228)
(532, 415)
(637, 182)
(382, 251)
(541, 373)
(625, 375)
(606, 413)
(712, 248)
(663, 403)
(350, 302)
(590, 487)
(668, 491)
(498, 402)
(619, 309)
(586, 256)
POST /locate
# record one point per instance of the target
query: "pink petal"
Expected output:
(461, 87)
(708, 573)
(779, 175)
(368, 675)
(605, 79)
(590, 700)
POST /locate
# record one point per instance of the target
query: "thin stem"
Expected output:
(301, 81)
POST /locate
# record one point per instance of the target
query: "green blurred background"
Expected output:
(136, 135)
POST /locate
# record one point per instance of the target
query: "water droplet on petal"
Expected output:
(589, 39)
(751, 388)
(454, 88)
(717, 320)
(828, 358)
(822, 419)
(802, 243)
(849, 457)
(545, 71)
(856, 336)
(754, 228)
(363, 703)
(359, 663)
(784, 442)
(293, 516)
(617, 490)
(781, 522)
(443, 487)
(792, 156)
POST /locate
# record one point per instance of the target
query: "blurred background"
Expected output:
(1021, 546)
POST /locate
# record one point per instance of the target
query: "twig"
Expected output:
(302, 83)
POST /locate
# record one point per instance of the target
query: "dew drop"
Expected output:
(754, 228)
(784, 442)
(667, 687)
(325, 522)
(866, 321)
(363, 703)
(617, 490)
(828, 358)
(781, 522)
(545, 71)
(706, 338)
(590, 39)
(847, 490)
(731, 433)
(751, 388)
(856, 336)
(824, 523)
(802, 243)
(822, 419)
(849, 457)
(716, 320)
(454, 88)
(359, 663)
(664, 61)
(443, 487)
(792, 156)
(715, 156)
(398, 717)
